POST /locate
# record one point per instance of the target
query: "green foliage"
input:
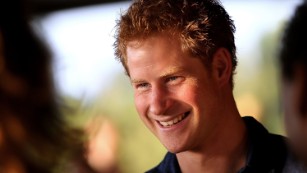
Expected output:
(263, 83)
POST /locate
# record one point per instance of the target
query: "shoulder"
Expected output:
(267, 151)
(259, 134)
(168, 165)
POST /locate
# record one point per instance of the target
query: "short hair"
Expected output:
(202, 26)
(293, 46)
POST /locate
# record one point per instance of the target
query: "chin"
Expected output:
(174, 148)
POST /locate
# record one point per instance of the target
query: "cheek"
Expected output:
(140, 105)
(189, 92)
(195, 96)
(292, 119)
(192, 98)
(297, 134)
(291, 127)
(288, 108)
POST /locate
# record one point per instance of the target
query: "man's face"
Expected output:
(175, 95)
(295, 121)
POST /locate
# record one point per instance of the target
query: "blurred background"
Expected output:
(93, 84)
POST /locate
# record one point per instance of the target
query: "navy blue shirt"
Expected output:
(267, 152)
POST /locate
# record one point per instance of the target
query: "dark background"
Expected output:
(39, 7)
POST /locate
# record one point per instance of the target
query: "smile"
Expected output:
(174, 121)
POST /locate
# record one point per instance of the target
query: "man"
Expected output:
(293, 63)
(180, 58)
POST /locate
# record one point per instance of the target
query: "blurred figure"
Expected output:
(102, 145)
(293, 62)
(34, 136)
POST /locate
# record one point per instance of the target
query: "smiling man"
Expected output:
(180, 58)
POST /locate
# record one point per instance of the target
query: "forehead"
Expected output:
(170, 43)
(152, 46)
(161, 55)
(137, 41)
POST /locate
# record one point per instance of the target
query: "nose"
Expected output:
(159, 101)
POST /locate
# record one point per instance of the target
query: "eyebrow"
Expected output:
(137, 80)
(171, 71)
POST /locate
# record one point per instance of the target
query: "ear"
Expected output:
(222, 66)
(300, 80)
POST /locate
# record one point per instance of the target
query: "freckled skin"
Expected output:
(168, 83)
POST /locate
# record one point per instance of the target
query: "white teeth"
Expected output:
(172, 122)
(163, 123)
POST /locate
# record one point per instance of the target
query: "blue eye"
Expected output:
(172, 78)
(142, 85)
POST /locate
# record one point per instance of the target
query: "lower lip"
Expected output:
(175, 126)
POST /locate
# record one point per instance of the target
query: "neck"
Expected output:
(224, 151)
